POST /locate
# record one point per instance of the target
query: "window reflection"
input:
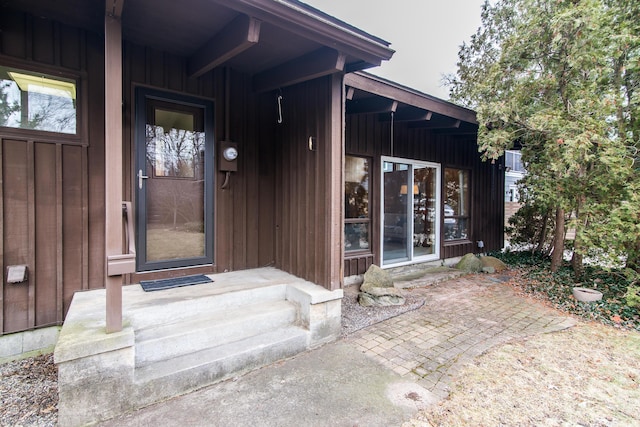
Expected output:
(175, 156)
(175, 147)
(456, 208)
(37, 101)
(356, 203)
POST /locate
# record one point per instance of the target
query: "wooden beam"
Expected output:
(437, 123)
(238, 36)
(372, 105)
(113, 8)
(334, 251)
(375, 85)
(321, 62)
(311, 26)
(405, 115)
(113, 166)
(350, 92)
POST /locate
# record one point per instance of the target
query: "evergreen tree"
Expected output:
(558, 78)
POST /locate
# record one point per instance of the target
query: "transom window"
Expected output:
(37, 101)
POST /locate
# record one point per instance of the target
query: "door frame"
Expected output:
(438, 218)
(142, 94)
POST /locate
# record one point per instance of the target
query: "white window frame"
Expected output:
(410, 208)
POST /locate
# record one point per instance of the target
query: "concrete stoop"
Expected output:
(179, 340)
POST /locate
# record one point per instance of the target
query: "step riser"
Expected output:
(160, 387)
(177, 342)
(178, 309)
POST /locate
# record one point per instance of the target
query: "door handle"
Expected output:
(140, 178)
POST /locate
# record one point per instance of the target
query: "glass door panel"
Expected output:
(396, 208)
(411, 216)
(424, 211)
(174, 194)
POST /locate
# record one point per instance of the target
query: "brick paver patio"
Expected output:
(461, 319)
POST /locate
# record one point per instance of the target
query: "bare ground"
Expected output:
(29, 392)
(588, 375)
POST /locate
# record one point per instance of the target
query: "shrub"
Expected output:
(617, 287)
(633, 296)
(194, 227)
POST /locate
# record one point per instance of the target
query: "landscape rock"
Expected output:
(493, 262)
(378, 290)
(378, 277)
(368, 300)
(469, 263)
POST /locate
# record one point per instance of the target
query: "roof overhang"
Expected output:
(279, 42)
(369, 94)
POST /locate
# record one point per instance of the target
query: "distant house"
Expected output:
(149, 139)
(514, 171)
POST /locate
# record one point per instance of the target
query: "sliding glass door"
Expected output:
(410, 211)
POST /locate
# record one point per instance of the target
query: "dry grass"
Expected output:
(588, 375)
(163, 244)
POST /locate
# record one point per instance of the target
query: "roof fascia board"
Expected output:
(387, 89)
(315, 25)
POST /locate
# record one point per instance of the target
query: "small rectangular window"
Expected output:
(37, 101)
(456, 205)
(356, 204)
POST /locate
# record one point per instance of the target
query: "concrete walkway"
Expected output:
(378, 376)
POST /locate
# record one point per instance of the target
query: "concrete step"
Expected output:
(163, 379)
(184, 303)
(205, 330)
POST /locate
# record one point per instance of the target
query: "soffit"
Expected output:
(369, 94)
(285, 32)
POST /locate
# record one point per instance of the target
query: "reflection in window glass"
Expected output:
(356, 187)
(424, 210)
(397, 197)
(456, 207)
(356, 203)
(356, 236)
(37, 101)
(175, 145)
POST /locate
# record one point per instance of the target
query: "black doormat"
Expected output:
(176, 282)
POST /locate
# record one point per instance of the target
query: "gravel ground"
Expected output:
(29, 392)
(355, 316)
(29, 387)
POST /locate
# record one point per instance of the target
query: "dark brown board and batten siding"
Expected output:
(276, 208)
(367, 135)
(306, 240)
(52, 188)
